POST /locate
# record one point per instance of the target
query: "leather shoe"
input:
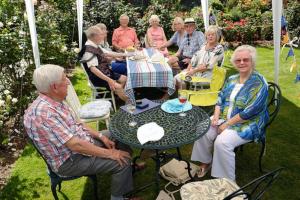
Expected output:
(138, 166)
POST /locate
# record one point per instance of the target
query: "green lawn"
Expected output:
(30, 181)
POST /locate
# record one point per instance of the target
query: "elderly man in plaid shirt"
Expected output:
(191, 43)
(70, 147)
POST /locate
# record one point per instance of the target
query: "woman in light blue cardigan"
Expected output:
(240, 116)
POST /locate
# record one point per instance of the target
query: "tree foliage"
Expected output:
(293, 18)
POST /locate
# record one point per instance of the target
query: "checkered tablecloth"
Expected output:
(144, 73)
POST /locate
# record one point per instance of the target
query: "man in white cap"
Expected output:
(191, 43)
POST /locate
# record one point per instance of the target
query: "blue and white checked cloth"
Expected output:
(144, 73)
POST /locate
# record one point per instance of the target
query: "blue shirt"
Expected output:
(250, 103)
(192, 43)
(176, 39)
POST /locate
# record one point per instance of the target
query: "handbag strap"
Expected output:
(171, 193)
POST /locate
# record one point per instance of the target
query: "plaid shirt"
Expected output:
(50, 124)
(191, 44)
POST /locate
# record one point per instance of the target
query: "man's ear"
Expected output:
(53, 87)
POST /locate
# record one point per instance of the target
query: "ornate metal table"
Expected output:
(178, 130)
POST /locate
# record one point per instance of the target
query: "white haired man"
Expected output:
(191, 43)
(69, 146)
(124, 36)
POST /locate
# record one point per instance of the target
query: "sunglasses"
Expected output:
(245, 60)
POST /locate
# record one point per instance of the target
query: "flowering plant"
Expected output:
(54, 23)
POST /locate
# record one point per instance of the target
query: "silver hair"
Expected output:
(92, 31)
(213, 29)
(153, 18)
(250, 49)
(178, 20)
(124, 15)
(101, 26)
(46, 75)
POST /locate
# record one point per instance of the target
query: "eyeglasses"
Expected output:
(244, 60)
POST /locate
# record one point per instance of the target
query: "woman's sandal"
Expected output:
(203, 171)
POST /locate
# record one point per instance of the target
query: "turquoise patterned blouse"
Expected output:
(251, 104)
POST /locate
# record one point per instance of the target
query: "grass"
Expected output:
(30, 181)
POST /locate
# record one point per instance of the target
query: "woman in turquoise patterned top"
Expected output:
(240, 116)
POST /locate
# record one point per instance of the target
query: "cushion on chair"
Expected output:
(94, 109)
(214, 189)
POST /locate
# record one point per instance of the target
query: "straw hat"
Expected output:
(189, 20)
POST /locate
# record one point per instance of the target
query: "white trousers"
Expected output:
(223, 158)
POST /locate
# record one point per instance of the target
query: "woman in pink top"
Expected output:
(156, 36)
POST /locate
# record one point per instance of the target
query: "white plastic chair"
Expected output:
(100, 91)
(92, 111)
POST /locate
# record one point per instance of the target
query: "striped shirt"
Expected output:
(50, 124)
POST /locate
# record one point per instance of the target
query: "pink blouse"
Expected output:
(157, 38)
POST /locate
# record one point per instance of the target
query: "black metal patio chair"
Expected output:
(226, 189)
(274, 101)
(256, 188)
(56, 179)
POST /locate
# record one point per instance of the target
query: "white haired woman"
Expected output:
(96, 64)
(205, 59)
(177, 38)
(239, 117)
(156, 35)
(104, 45)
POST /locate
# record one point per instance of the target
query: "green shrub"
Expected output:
(293, 18)
(15, 66)
(54, 23)
(217, 5)
(196, 13)
(55, 42)
(266, 32)
(165, 14)
(110, 13)
(138, 17)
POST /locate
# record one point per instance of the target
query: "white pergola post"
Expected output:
(33, 34)
(204, 5)
(277, 13)
(79, 4)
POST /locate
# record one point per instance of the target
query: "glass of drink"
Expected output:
(131, 108)
(182, 99)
